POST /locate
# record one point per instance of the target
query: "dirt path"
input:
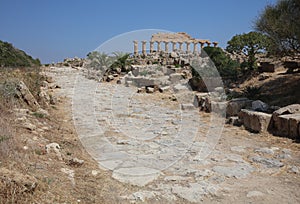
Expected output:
(175, 155)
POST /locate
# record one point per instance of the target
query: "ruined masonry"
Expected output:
(179, 38)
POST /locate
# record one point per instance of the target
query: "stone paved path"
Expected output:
(149, 141)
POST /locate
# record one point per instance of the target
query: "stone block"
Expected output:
(286, 121)
(236, 105)
(255, 121)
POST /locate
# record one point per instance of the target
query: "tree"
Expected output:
(248, 44)
(227, 67)
(281, 22)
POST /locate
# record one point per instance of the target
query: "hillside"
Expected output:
(13, 57)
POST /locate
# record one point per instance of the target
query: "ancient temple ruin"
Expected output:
(174, 39)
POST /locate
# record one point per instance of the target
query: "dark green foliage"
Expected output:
(12, 57)
(281, 22)
(227, 67)
(252, 92)
(248, 44)
(121, 61)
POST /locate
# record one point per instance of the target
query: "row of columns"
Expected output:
(202, 43)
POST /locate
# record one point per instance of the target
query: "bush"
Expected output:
(13, 57)
(227, 67)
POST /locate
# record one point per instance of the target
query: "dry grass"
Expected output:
(12, 190)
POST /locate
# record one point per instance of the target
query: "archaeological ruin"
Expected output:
(174, 39)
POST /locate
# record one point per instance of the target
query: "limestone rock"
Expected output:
(267, 162)
(187, 107)
(255, 121)
(164, 89)
(26, 95)
(149, 90)
(54, 147)
(236, 105)
(258, 105)
(285, 122)
(75, 162)
(237, 171)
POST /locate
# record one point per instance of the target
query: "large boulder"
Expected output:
(234, 106)
(255, 121)
(286, 122)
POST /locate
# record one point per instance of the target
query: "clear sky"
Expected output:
(52, 30)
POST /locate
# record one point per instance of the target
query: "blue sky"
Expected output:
(52, 30)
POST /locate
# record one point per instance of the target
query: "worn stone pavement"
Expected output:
(149, 141)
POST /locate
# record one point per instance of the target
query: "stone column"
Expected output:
(202, 44)
(195, 47)
(135, 47)
(208, 43)
(144, 47)
(166, 47)
(158, 46)
(180, 46)
(151, 46)
(215, 44)
(188, 46)
(174, 46)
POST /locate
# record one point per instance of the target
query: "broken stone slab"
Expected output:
(267, 162)
(237, 171)
(287, 126)
(265, 150)
(285, 122)
(164, 89)
(219, 107)
(236, 105)
(140, 81)
(255, 121)
(290, 109)
(187, 106)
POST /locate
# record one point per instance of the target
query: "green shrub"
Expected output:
(13, 57)
(226, 67)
